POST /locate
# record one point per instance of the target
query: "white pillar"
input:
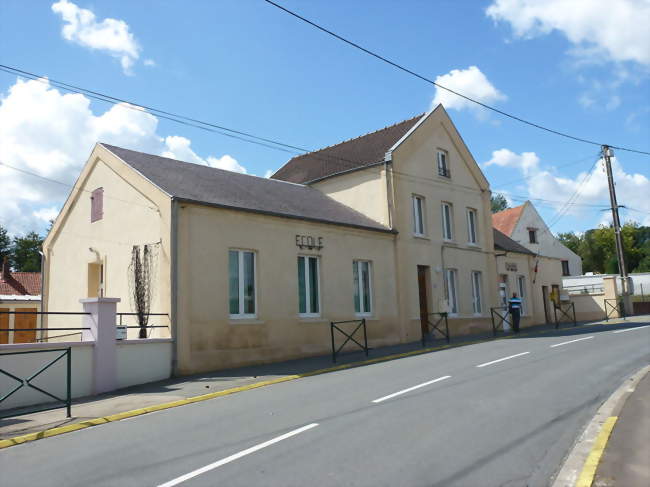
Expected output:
(101, 322)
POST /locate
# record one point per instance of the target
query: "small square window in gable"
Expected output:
(97, 205)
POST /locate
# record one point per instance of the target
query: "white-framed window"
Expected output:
(308, 286)
(521, 286)
(418, 216)
(362, 275)
(443, 163)
(532, 235)
(565, 268)
(472, 226)
(477, 303)
(447, 223)
(241, 284)
(451, 275)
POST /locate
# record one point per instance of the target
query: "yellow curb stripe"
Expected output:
(204, 397)
(591, 464)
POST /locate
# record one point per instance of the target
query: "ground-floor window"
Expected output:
(362, 287)
(308, 286)
(521, 284)
(452, 290)
(476, 292)
(241, 283)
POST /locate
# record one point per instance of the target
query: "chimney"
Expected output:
(6, 272)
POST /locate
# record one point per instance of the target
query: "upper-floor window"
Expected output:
(447, 224)
(443, 163)
(241, 283)
(532, 235)
(97, 205)
(362, 287)
(308, 286)
(565, 268)
(418, 215)
(472, 235)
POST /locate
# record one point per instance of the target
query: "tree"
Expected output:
(5, 245)
(499, 203)
(26, 257)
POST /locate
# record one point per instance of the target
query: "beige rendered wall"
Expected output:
(208, 339)
(364, 190)
(135, 213)
(415, 172)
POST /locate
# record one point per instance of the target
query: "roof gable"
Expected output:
(226, 189)
(505, 221)
(505, 243)
(352, 154)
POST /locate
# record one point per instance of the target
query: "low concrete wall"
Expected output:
(142, 361)
(53, 380)
(589, 306)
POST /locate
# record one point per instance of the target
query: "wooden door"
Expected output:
(26, 323)
(424, 298)
(4, 324)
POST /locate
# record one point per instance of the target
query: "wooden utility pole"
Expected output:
(622, 270)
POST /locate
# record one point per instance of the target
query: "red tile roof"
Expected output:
(21, 283)
(348, 155)
(506, 220)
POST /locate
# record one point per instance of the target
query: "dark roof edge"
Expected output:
(284, 215)
(347, 171)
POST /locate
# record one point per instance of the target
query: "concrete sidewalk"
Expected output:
(625, 462)
(179, 389)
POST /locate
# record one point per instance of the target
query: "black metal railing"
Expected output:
(499, 318)
(27, 383)
(568, 310)
(148, 327)
(429, 328)
(361, 324)
(611, 308)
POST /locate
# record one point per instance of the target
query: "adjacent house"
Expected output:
(19, 291)
(392, 227)
(525, 226)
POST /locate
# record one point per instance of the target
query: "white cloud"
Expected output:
(632, 189)
(597, 29)
(46, 214)
(470, 82)
(526, 161)
(269, 173)
(51, 134)
(111, 35)
(149, 62)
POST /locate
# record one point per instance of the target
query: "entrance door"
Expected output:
(27, 326)
(4, 324)
(423, 270)
(545, 301)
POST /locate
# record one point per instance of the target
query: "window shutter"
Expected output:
(97, 205)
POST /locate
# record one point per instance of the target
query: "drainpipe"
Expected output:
(173, 255)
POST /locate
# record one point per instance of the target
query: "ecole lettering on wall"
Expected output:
(511, 266)
(309, 242)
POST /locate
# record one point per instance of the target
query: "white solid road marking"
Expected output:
(502, 359)
(236, 456)
(571, 341)
(424, 384)
(631, 329)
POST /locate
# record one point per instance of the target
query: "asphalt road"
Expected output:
(501, 413)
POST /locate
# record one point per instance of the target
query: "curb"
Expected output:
(580, 466)
(47, 433)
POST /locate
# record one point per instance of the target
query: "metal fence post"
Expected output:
(69, 383)
(333, 346)
(365, 336)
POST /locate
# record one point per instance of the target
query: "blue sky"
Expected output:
(249, 66)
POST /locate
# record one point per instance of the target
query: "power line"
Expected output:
(432, 82)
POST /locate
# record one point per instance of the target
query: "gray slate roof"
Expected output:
(217, 187)
(349, 155)
(503, 242)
